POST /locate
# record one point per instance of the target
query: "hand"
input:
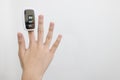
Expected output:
(36, 59)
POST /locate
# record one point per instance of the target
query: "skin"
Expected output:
(36, 58)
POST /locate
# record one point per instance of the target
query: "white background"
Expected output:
(90, 48)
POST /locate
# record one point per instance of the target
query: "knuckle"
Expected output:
(19, 41)
(55, 45)
(40, 31)
(51, 29)
(40, 21)
(49, 37)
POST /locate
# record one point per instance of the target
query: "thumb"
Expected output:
(21, 43)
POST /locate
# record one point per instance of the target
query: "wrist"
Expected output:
(27, 75)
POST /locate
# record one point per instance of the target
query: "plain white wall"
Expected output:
(90, 48)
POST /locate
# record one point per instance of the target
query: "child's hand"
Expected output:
(36, 59)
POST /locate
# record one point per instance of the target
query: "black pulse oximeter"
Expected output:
(29, 18)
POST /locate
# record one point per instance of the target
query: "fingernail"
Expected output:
(41, 16)
(60, 35)
(19, 35)
(52, 23)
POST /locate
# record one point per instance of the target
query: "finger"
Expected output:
(21, 43)
(56, 44)
(49, 35)
(40, 29)
(31, 37)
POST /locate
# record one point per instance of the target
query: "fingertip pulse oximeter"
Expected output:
(29, 19)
